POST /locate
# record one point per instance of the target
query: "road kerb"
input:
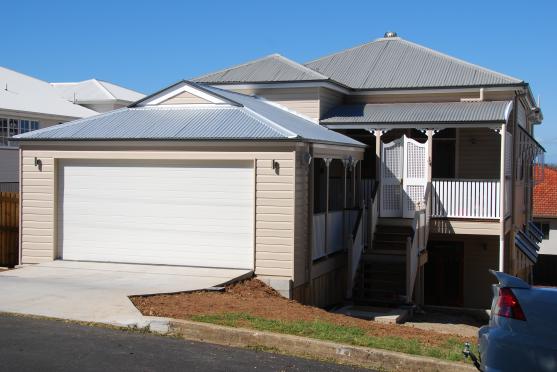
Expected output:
(307, 347)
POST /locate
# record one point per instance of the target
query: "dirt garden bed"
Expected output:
(252, 304)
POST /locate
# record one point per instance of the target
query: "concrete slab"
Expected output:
(378, 314)
(98, 292)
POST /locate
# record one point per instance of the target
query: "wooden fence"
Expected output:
(9, 229)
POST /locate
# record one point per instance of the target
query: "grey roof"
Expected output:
(245, 118)
(385, 63)
(272, 68)
(439, 112)
(391, 63)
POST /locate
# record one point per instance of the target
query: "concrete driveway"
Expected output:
(98, 292)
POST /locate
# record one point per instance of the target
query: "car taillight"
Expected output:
(508, 306)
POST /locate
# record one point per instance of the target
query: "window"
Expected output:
(12, 127)
(544, 227)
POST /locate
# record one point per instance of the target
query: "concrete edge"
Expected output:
(312, 348)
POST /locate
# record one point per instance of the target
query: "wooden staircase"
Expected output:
(381, 275)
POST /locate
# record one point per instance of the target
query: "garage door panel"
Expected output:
(193, 213)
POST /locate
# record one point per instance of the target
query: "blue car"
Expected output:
(522, 330)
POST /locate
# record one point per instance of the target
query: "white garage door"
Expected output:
(197, 213)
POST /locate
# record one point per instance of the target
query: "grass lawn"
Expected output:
(450, 350)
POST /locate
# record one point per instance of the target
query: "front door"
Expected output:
(444, 273)
(403, 177)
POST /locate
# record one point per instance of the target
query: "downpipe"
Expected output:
(469, 354)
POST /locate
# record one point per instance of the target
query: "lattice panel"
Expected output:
(415, 160)
(415, 194)
(508, 154)
(393, 162)
(391, 197)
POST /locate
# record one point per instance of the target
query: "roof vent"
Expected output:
(390, 34)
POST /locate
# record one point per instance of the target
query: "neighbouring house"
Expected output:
(545, 217)
(28, 104)
(388, 173)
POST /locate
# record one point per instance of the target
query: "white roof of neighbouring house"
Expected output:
(96, 91)
(236, 117)
(19, 92)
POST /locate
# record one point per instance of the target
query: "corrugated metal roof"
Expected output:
(292, 121)
(272, 68)
(391, 63)
(251, 119)
(438, 112)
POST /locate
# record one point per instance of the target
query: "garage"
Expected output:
(192, 178)
(185, 213)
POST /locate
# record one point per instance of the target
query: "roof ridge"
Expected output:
(105, 89)
(269, 123)
(234, 67)
(299, 65)
(460, 61)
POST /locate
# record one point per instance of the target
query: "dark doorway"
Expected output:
(444, 154)
(443, 164)
(444, 274)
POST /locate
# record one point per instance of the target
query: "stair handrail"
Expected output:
(357, 243)
(417, 244)
(373, 213)
(355, 250)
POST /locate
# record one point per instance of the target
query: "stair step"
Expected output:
(385, 245)
(394, 252)
(379, 297)
(392, 229)
(390, 237)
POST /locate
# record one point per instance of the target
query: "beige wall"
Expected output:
(274, 241)
(428, 97)
(479, 153)
(302, 100)
(328, 99)
(183, 99)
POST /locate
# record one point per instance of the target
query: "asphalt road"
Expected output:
(28, 344)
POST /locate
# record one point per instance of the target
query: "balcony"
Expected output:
(467, 198)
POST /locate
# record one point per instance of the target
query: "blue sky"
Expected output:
(146, 45)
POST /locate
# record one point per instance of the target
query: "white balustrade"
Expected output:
(459, 198)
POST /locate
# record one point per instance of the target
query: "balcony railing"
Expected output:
(459, 198)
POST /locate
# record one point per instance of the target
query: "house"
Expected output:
(388, 173)
(445, 136)
(545, 218)
(27, 104)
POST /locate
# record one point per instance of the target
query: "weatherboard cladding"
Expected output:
(439, 112)
(392, 63)
(271, 68)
